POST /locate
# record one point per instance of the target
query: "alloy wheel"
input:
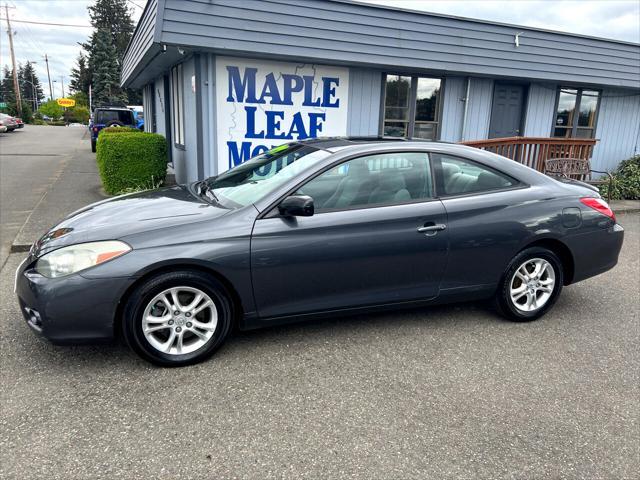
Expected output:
(179, 320)
(532, 285)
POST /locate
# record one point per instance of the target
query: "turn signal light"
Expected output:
(599, 205)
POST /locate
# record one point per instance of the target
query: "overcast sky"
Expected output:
(619, 19)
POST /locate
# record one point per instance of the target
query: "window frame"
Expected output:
(438, 183)
(413, 97)
(272, 210)
(177, 106)
(576, 115)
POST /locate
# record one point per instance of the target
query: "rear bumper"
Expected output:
(68, 310)
(595, 252)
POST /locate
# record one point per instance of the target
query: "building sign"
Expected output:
(262, 104)
(66, 102)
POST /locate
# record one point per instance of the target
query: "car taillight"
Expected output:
(95, 129)
(599, 205)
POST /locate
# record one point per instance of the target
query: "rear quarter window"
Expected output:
(459, 176)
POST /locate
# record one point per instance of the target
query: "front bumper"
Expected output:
(68, 310)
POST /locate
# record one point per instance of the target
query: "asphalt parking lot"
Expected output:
(446, 392)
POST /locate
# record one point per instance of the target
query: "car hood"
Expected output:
(125, 215)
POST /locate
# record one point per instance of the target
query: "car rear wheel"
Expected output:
(530, 285)
(93, 146)
(177, 318)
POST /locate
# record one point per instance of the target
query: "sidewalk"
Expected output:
(78, 184)
(625, 206)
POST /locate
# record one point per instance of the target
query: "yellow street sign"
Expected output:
(66, 102)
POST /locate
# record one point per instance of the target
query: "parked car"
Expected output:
(3, 127)
(138, 113)
(9, 122)
(109, 117)
(314, 228)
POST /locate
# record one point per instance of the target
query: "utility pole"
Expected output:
(46, 60)
(62, 80)
(16, 87)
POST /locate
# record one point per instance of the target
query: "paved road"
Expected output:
(32, 161)
(447, 392)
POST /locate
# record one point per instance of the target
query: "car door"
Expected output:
(378, 237)
(485, 212)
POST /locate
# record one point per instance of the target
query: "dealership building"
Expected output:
(224, 80)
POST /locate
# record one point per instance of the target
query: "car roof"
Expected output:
(113, 108)
(329, 143)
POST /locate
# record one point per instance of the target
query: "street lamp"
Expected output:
(35, 94)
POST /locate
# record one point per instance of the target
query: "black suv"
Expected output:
(109, 117)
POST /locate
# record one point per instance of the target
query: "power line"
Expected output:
(49, 23)
(135, 4)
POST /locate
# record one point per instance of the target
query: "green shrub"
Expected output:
(131, 161)
(626, 181)
(119, 130)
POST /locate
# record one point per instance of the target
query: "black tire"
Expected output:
(93, 146)
(503, 302)
(141, 297)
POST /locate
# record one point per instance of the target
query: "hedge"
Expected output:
(131, 161)
(119, 130)
(626, 181)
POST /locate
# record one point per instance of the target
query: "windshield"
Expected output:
(249, 182)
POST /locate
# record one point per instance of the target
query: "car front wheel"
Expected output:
(93, 146)
(177, 318)
(530, 285)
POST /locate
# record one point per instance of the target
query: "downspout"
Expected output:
(466, 109)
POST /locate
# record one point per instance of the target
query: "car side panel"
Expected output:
(488, 229)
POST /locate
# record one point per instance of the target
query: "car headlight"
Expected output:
(74, 258)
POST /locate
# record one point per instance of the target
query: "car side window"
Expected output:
(374, 180)
(460, 176)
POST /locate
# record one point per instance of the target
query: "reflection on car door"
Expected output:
(361, 250)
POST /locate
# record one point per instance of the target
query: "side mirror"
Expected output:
(296, 206)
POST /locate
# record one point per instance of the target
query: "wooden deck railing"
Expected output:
(533, 151)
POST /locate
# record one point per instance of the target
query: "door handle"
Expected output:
(432, 229)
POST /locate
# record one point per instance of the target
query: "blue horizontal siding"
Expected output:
(338, 32)
(540, 110)
(618, 128)
(141, 41)
(365, 93)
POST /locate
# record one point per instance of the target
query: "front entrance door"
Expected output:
(506, 112)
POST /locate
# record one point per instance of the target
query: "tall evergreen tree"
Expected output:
(29, 84)
(106, 72)
(7, 93)
(80, 75)
(113, 17)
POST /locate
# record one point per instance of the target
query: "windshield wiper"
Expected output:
(203, 188)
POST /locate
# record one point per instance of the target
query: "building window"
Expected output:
(177, 92)
(411, 107)
(576, 113)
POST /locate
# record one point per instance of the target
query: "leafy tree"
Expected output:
(81, 98)
(51, 109)
(80, 75)
(106, 73)
(77, 114)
